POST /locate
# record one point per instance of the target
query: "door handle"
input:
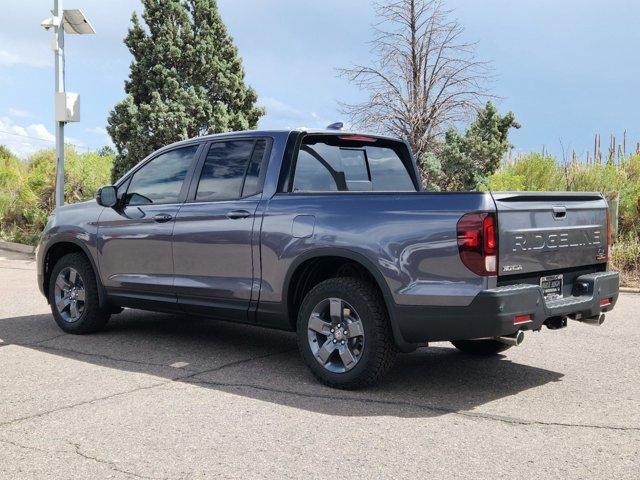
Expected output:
(237, 214)
(162, 218)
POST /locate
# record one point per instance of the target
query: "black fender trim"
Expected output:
(373, 271)
(103, 299)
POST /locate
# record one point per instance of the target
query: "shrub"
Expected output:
(625, 257)
(532, 172)
(27, 189)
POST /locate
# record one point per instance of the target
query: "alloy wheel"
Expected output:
(336, 335)
(70, 294)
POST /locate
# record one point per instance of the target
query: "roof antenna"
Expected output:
(336, 126)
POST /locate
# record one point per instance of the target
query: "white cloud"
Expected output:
(283, 115)
(24, 53)
(97, 130)
(24, 141)
(282, 109)
(17, 112)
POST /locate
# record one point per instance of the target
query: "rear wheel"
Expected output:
(344, 333)
(73, 296)
(480, 347)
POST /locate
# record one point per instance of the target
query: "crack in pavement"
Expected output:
(37, 343)
(235, 363)
(105, 357)
(138, 389)
(112, 465)
(190, 378)
(85, 402)
(29, 447)
(418, 406)
(192, 372)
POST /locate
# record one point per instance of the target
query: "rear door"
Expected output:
(545, 232)
(213, 239)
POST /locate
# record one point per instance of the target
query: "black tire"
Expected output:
(480, 347)
(92, 317)
(379, 352)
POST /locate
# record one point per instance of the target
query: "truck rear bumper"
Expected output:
(493, 312)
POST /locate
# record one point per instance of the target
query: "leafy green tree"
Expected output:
(469, 159)
(186, 79)
(106, 151)
(430, 166)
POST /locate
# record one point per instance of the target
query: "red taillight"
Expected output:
(520, 319)
(489, 234)
(478, 242)
(605, 302)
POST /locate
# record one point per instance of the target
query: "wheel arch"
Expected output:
(58, 249)
(303, 266)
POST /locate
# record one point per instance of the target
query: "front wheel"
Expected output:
(73, 296)
(484, 347)
(344, 333)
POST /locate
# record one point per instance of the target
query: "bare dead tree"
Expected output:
(425, 77)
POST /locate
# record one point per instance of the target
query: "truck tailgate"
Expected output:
(546, 231)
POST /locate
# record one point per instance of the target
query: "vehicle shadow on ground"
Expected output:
(265, 365)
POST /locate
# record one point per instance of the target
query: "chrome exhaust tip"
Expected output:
(514, 340)
(596, 320)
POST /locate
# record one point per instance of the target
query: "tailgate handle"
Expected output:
(559, 213)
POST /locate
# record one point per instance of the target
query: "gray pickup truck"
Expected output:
(328, 234)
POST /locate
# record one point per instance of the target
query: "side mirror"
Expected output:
(107, 196)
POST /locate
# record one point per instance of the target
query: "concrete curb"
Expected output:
(17, 247)
(629, 290)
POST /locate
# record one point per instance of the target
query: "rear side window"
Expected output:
(160, 180)
(252, 179)
(231, 170)
(329, 163)
(387, 171)
(311, 175)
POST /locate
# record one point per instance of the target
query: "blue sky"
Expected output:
(567, 69)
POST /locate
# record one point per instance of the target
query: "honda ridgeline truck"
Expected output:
(327, 233)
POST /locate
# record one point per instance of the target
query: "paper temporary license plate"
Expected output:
(551, 286)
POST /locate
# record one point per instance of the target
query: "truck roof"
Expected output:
(258, 133)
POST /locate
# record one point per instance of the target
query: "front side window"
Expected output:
(328, 164)
(231, 170)
(160, 180)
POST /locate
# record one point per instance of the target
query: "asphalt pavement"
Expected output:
(177, 397)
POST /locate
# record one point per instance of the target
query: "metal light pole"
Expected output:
(59, 66)
(67, 105)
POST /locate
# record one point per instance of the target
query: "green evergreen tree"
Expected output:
(186, 79)
(469, 159)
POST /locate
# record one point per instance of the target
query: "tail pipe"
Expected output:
(514, 340)
(596, 320)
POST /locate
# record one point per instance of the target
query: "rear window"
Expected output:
(328, 163)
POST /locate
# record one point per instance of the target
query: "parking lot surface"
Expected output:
(161, 396)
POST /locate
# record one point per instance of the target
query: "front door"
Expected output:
(213, 239)
(134, 239)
